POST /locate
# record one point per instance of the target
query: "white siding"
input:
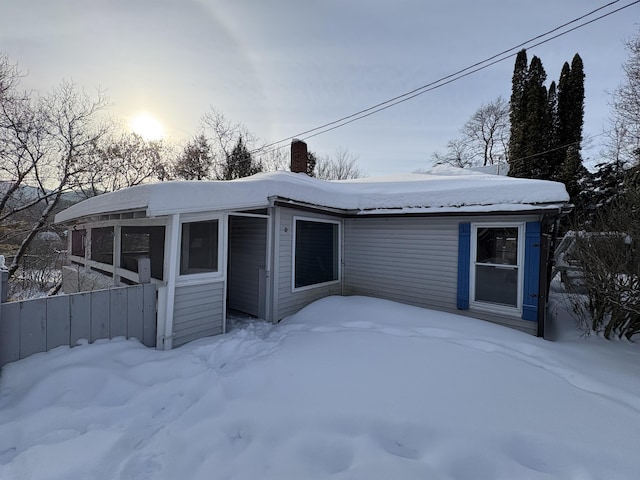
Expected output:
(412, 260)
(247, 248)
(198, 312)
(288, 302)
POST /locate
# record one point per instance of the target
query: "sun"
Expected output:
(147, 126)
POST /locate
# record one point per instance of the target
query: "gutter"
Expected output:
(540, 209)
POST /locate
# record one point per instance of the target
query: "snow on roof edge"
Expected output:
(436, 191)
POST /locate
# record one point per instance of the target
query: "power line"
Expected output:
(476, 67)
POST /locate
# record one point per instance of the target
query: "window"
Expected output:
(496, 261)
(102, 245)
(199, 247)
(77, 242)
(143, 242)
(316, 253)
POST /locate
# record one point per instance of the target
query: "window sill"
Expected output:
(315, 285)
(514, 312)
(199, 278)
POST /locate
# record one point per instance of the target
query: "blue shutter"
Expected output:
(531, 271)
(464, 254)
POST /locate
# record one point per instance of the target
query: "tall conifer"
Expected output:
(544, 123)
(537, 122)
(517, 114)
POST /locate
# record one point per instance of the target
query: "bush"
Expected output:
(609, 260)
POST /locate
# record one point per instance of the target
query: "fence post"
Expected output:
(144, 270)
(4, 280)
(4, 284)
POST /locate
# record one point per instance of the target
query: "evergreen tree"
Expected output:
(517, 114)
(239, 163)
(553, 157)
(311, 164)
(537, 123)
(572, 172)
(570, 116)
(545, 123)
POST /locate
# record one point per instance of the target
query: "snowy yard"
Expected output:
(349, 388)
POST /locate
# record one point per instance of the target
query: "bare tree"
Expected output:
(9, 77)
(21, 139)
(484, 138)
(456, 155)
(61, 142)
(121, 160)
(195, 161)
(275, 159)
(624, 144)
(224, 137)
(487, 133)
(608, 260)
(342, 165)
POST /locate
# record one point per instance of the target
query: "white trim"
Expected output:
(251, 215)
(488, 306)
(172, 239)
(204, 276)
(184, 281)
(268, 260)
(295, 289)
(225, 263)
(275, 248)
(117, 250)
(128, 222)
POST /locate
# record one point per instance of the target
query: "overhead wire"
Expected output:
(469, 70)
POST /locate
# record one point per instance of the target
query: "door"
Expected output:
(246, 264)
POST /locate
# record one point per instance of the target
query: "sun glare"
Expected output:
(147, 126)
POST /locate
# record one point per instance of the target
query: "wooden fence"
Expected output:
(38, 325)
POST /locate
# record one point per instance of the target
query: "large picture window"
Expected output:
(102, 245)
(496, 265)
(143, 242)
(199, 247)
(316, 252)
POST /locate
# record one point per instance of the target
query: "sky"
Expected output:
(283, 67)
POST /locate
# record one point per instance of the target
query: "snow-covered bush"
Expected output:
(610, 264)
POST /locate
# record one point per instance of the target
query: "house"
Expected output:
(270, 244)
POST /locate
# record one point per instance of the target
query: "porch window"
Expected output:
(497, 263)
(77, 242)
(316, 253)
(102, 245)
(199, 247)
(141, 242)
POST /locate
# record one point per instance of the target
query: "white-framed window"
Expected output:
(200, 247)
(316, 252)
(497, 266)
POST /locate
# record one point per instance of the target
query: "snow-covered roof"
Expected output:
(440, 190)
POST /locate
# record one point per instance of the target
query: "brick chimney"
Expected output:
(298, 156)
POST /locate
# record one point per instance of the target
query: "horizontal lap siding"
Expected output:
(413, 260)
(408, 260)
(198, 312)
(289, 302)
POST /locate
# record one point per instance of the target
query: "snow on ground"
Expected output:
(348, 388)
